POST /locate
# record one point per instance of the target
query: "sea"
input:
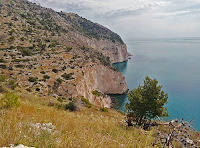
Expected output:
(175, 63)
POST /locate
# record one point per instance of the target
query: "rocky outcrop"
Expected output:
(116, 51)
(102, 79)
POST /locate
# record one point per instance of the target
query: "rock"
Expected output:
(102, 79)
(19, 146)
(116, 51)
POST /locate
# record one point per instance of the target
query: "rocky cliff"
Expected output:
(101, 79)
(116, 51)
(61, 45)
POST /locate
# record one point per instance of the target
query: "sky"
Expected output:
(136, 18)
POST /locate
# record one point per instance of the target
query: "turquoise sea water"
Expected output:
(175, 63)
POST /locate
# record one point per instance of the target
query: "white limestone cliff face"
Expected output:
(116, 51)
(102, 79)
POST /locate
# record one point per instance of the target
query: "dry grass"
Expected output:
(86, 128)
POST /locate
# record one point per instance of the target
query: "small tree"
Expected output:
(146, 102)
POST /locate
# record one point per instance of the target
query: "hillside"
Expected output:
(39, 122)
(49, 51)
(55, 77)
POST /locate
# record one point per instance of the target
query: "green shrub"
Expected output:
(2, 60)
(71, 106)
(64, 68)
(22, 39)
(37, 89)
(68, 49)
(103, 109)
(96, 93)
(46, 77)
(19, 66)
(60, 99)
(55, 70)
(67, 76)
(10, 68)
(13, 84)
(54, 44)
(2, 78)
(86, 102)
(12, 47)
(59, 80)
(113, 68)
(11, 39)
(61, 106)
(47, 40)
(3, 66)
(33, 79)
(26, 52)
(42, 72)
(9, 100)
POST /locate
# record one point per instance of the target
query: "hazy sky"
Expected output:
(137, 18)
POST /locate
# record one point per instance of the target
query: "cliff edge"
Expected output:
(103, 80)
(47, 51)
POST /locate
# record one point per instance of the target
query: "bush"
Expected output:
(60, 99)
(11, 39)
(2, 60)
(46, 77)
(61, 106)
(59, 80)
(67, 76)
(68, 49)
(26, 52)
(55, 70)
(2, 78)
(54, 44)
(113, 68)
(71, 106)
(33, 79)
(96, 93)
(42, 72)
(37, 89)
(19, 66)
(13, 84)
(86, 102)
(9, 100)
(147, 101)
(3, 66)
(103, 109)
(64, 68)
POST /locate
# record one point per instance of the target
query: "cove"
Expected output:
(175, 63)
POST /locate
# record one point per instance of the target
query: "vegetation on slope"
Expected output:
(34, 39)
(41, 121)
(35, 123)
(36, 50)
(90, 29)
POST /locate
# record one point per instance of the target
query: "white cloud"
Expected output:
(136, 17)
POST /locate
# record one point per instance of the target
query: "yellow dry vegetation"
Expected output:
(88, 127)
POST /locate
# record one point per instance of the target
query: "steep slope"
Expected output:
(99, 37)
(47, 51)
(98, 78)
